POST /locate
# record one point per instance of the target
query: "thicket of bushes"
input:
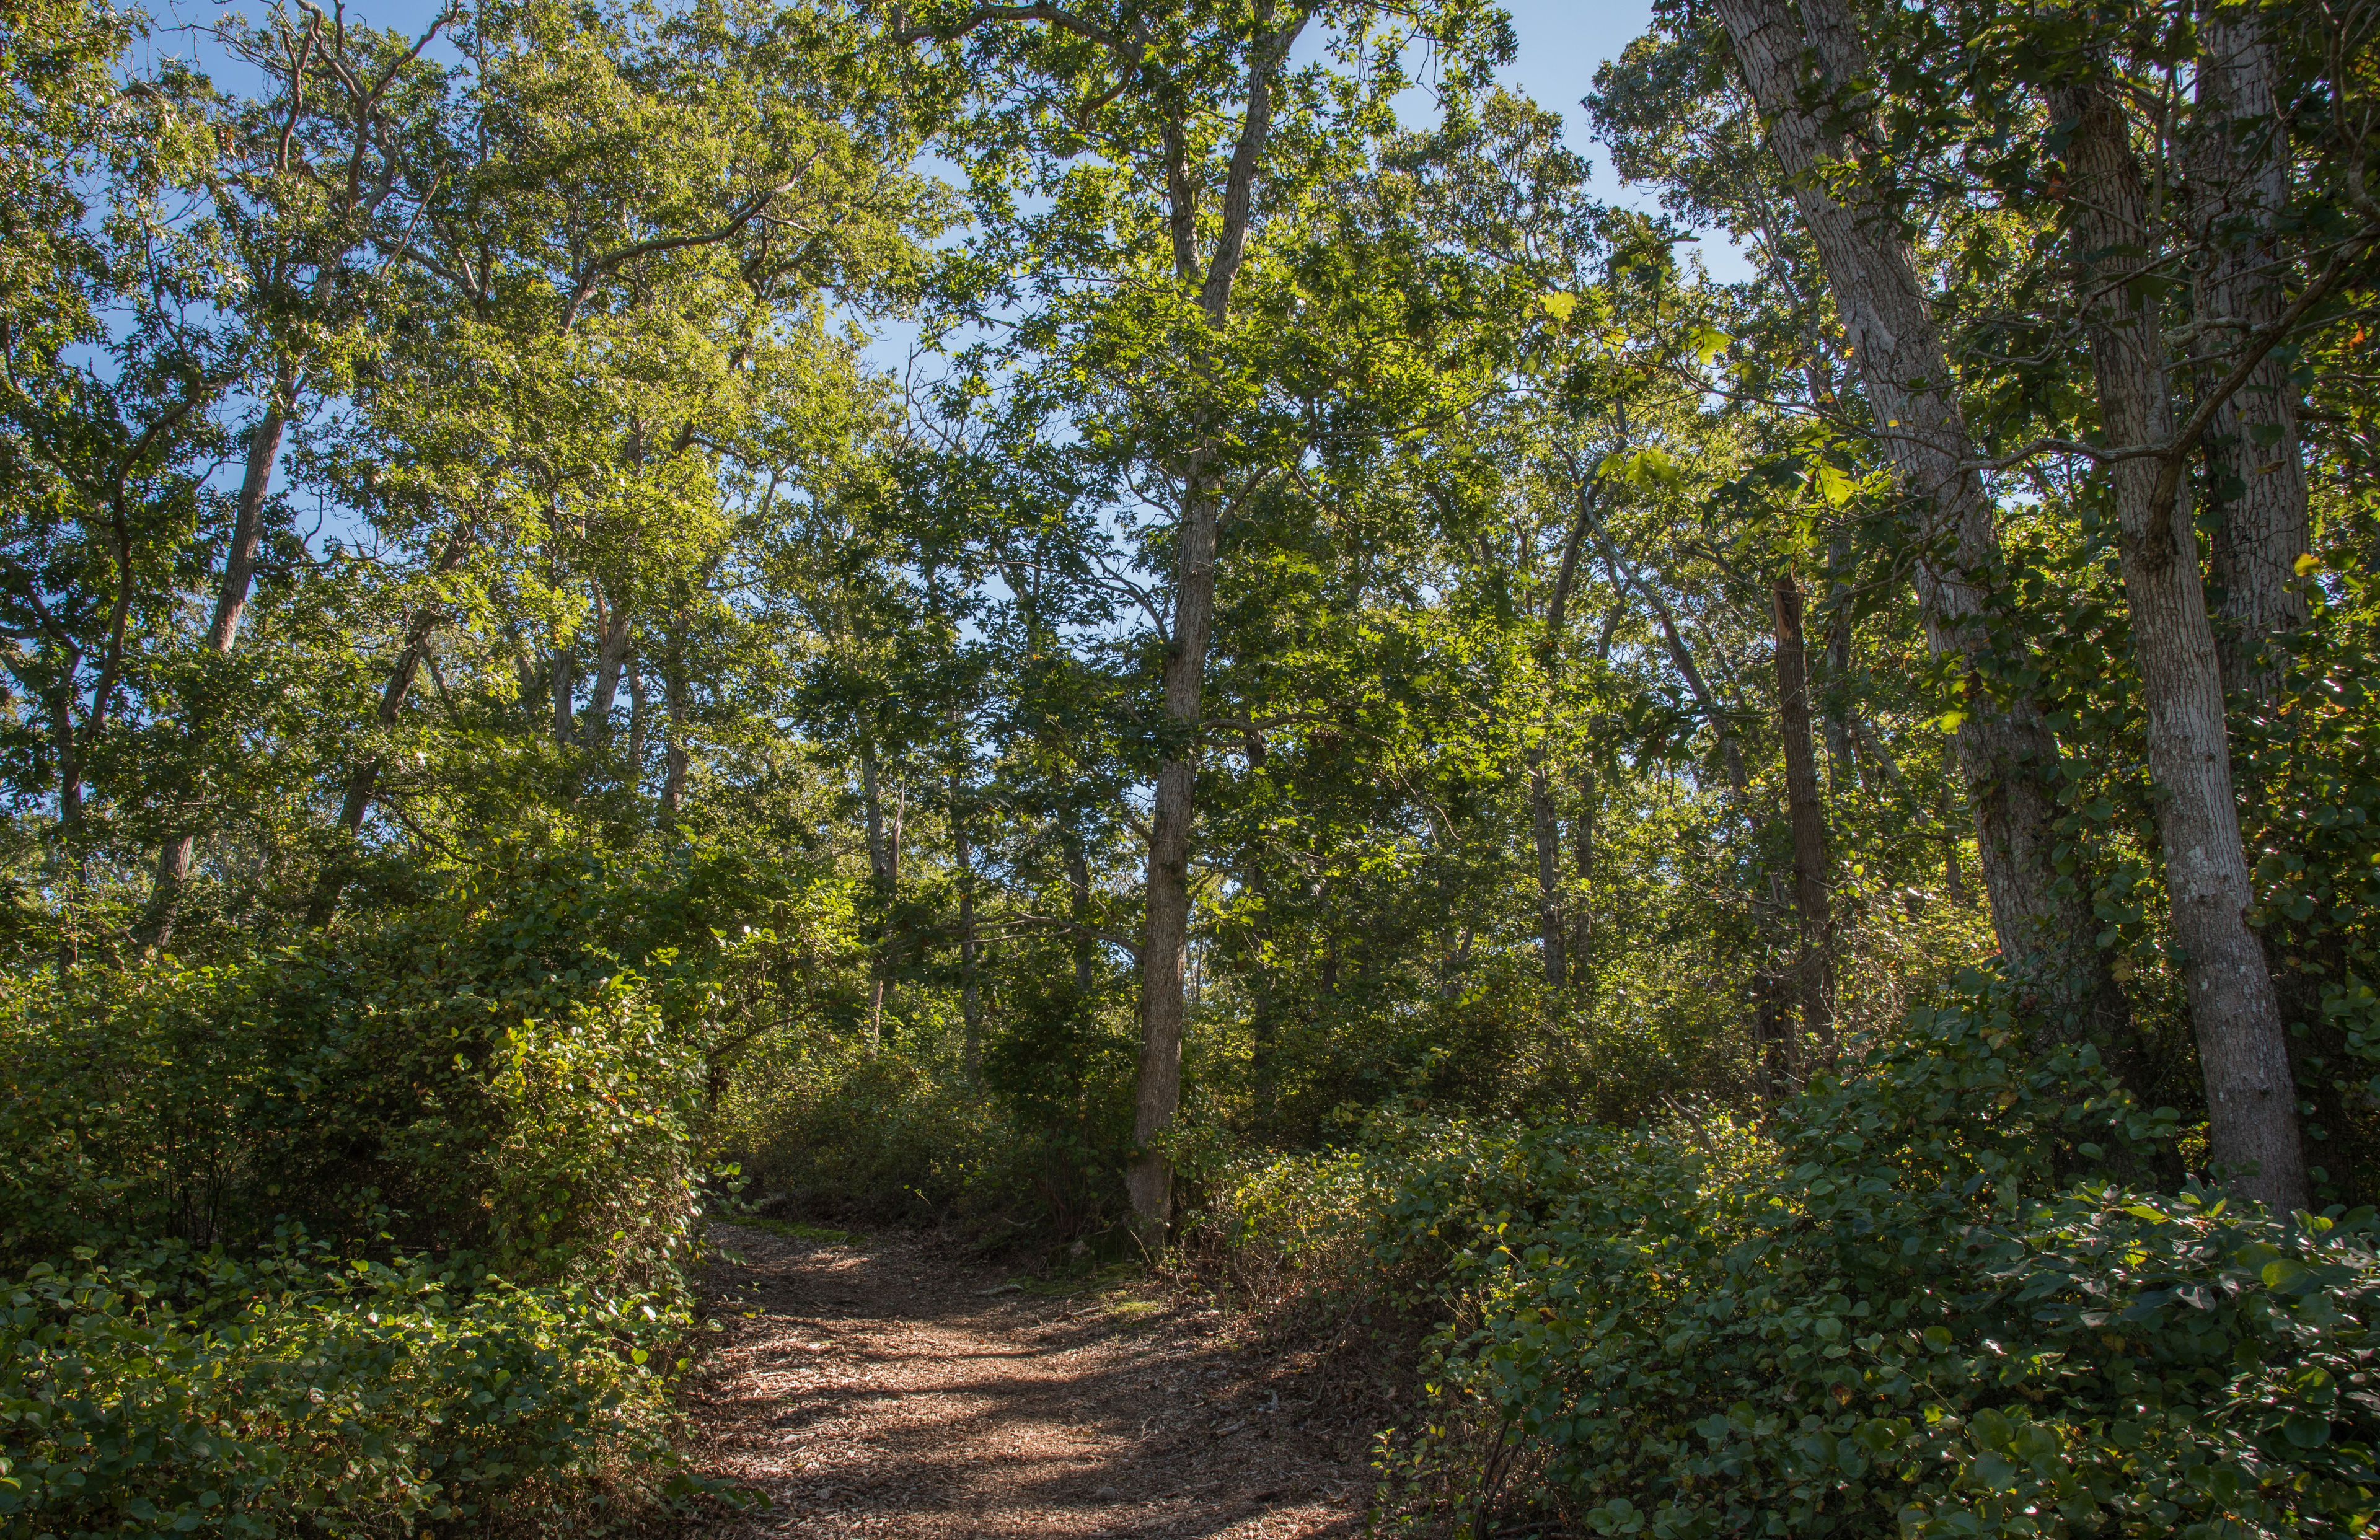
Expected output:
(1029, 1145)
(1917, 1304)
(393, 1229)
(387, 1229)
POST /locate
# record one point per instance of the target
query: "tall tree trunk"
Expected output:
(871, 806)
(1547, 833)
(231, 604)
(970, 992)
(675, 712)
(639, 724)
(2250, 1093)
(1158, 1094)
(1545, 826)
(1583, 920)
(2008, 756)
(1807, 814)
(2255, 468)
(1078, 909)
(1149, 1179)
(879, 872)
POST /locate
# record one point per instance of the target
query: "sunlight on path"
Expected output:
(876, 1389)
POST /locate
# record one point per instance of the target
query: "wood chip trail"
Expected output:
(891, 1387)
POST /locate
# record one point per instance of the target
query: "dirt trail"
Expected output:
(879, 1388)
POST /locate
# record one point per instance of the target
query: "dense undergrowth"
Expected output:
(395, 1229)
(1916, 1303)
(390, 1229)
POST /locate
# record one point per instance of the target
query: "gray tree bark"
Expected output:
(612, 642)
(2044, 923)
(2255, 468)
(2235, 1014)
(564, 679)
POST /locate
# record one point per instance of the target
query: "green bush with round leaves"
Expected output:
(295, 1392)
(374, 1233)
(1918, 1305)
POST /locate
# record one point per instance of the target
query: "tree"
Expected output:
(1214, 138)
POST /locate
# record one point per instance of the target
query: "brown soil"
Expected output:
(884, 1389)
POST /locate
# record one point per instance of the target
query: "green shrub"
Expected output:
(897, 1134)
(1916, 1304)
(1906, 1323)
(1291, 1239)
(511, 1082)
(1034, 1140)
(299, 1392)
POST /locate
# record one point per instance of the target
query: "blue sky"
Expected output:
(1561, 47)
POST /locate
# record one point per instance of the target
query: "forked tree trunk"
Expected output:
(1806, 815)
(2044, 925)
(2255, 468)
(2251, 1093)
(611, 637)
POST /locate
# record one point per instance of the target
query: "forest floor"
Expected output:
(895, 1386)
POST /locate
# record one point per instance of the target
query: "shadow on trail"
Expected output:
(878, 1388)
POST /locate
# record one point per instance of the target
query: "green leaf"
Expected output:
(2306, 1433)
